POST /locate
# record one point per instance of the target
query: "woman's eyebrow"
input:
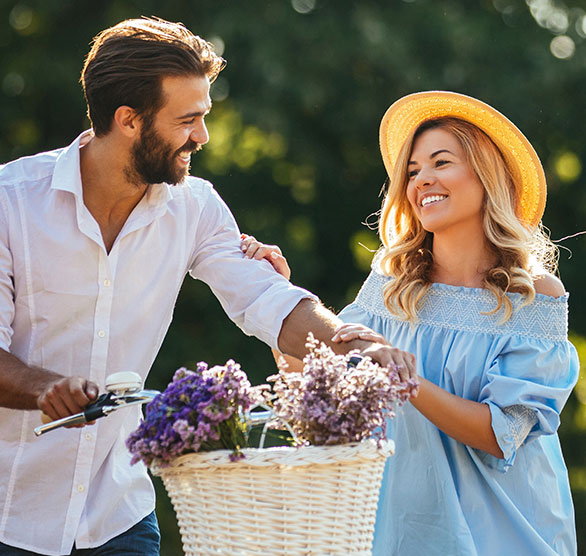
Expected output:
(439, 152)
(433, 155)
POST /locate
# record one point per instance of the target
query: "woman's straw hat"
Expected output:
(407, 113)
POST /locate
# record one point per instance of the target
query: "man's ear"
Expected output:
(127, 121)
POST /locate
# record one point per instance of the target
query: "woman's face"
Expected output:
(444, 191)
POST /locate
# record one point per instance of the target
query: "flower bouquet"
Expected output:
(317, 495)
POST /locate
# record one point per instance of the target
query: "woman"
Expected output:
(464, 282)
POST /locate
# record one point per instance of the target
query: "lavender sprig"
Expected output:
(330, 402)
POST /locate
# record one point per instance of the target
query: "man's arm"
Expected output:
(310, 316)
(24, 387)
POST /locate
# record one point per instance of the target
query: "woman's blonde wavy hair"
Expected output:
(406, 254)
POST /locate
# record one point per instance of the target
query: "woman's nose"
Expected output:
(424, 177)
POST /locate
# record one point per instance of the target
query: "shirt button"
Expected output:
(101, 333)
(107, 283)
(88, 436)
(80, 488)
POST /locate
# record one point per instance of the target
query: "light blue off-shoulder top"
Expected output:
(440, 497)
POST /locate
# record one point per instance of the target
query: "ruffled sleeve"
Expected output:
(537, 374)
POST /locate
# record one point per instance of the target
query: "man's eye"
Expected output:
(188, 122)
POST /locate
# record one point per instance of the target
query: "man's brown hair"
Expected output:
(127, 63)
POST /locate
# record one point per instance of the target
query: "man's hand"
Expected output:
(309, 315)
(380, 351)
(66, 396)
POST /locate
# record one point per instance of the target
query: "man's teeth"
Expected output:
(432, 199)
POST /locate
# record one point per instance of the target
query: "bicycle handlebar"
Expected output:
(123, 392)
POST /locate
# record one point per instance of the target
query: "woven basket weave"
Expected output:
(313, 500)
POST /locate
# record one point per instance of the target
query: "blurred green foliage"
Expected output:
(294, 134)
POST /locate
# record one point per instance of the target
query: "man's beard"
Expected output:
(155, 161)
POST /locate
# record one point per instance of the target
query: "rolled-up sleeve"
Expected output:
(252, 293)
(6, 279)
(533, 373)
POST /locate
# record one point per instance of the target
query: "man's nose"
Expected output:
(200, 134)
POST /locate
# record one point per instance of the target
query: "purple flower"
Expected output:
(198, 411)
(329, 402)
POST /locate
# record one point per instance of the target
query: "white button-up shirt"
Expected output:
(69, 306)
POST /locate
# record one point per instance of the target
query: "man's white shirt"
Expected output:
(69, 306)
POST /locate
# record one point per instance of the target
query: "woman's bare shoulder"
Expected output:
(548, 284)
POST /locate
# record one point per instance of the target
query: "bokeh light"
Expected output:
(13, 84)
(568, 166)
(549, 15)
(303, 6)
(562, 47)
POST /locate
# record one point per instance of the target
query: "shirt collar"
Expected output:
(158, 194)
(67, 174)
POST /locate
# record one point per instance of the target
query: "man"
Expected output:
(95, 240)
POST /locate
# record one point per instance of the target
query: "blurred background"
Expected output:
(294, 136)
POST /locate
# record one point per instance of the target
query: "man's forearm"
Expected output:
(24, 387)
(21, 385)
(310, 316)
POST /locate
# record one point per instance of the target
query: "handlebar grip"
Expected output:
(95, 410)
(77, 419)
(92, 412)
(45, 418)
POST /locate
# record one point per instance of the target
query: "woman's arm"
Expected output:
(466, 421)
(293, 364)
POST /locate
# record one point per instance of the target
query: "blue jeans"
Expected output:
(141, 540)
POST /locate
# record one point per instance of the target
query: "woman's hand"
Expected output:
(254, 249)
(352, 331)
(400, 361)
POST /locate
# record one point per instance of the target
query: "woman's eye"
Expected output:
(412, 173)
(441, 162)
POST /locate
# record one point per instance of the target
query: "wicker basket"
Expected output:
(278, 501)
